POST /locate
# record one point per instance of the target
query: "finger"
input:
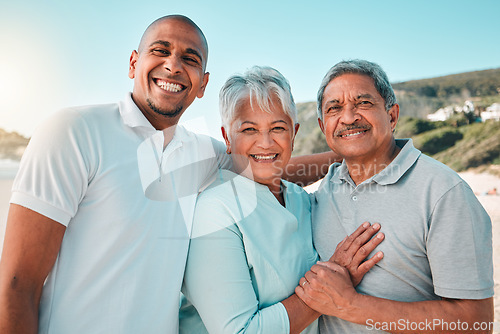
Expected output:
(310, 282)
(352, 246)
(365, 236)
(310, 300)
(344, 251)
(310, 275)
(366, 249)
(370, 263)
(359, 231)
(340, 244)
(303, 282)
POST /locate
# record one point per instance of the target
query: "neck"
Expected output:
(363, 168)
(278, 193)
(162, 123)
(168, 134)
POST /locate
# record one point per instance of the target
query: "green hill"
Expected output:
(418, 98)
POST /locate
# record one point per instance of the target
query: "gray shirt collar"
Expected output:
(392, 173)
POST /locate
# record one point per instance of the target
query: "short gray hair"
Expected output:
(259, 84)
(364, 67)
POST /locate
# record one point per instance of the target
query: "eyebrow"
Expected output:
(364, 96)
(360, 96)
(194, 52)
(164, 43)
(253, 123)
(331, 102)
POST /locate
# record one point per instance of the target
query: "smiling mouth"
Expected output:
(350, 134)
(264, 158)
(352, 130)
(169, 86)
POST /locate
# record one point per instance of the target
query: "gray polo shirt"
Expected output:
(438, 236)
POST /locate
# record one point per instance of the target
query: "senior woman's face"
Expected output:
(262, 141)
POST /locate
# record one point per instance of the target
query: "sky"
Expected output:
(60, 53)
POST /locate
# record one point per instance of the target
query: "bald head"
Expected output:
(178, 18)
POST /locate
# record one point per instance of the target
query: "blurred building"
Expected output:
(492, 112)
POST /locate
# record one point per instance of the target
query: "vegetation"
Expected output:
(309, 139)
(469, 84)
(12, 145)
(479, 146)
(435, 141)
(418, 98)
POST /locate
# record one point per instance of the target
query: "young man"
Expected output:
(437, 271)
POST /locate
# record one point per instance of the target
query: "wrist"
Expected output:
(354, 308)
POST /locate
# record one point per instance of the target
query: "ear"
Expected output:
(394, 116)
(132, 63)
(226, 139)
(321, 125)
(204, 84)
(297, 125)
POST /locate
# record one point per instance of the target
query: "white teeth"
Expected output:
(264, 157)
(352, 134)
(169, 87)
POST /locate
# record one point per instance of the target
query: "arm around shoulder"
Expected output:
(307, 169)
(32, 242)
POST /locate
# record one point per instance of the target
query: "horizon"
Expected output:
(192, 122)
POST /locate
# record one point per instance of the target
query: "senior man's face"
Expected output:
(355, 122)
(168, 71)
(260, 142)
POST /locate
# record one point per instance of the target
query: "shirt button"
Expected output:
(354, 198)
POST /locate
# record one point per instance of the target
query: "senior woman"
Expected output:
(251, 235)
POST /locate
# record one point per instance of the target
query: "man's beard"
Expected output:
(169, 113)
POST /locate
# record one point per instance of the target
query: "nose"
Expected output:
(265, 140)
(349, 115)
(173, 64)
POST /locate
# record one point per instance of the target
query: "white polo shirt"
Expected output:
(127, 204)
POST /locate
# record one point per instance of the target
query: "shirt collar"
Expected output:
(134, 118)
(389, 175)
(405, 159)
(132, 115)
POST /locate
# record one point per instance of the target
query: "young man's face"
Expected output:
(355, 121)
(168, 71)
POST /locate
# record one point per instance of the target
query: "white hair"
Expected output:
(258, 84)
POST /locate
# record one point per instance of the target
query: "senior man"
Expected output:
(437, 272)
